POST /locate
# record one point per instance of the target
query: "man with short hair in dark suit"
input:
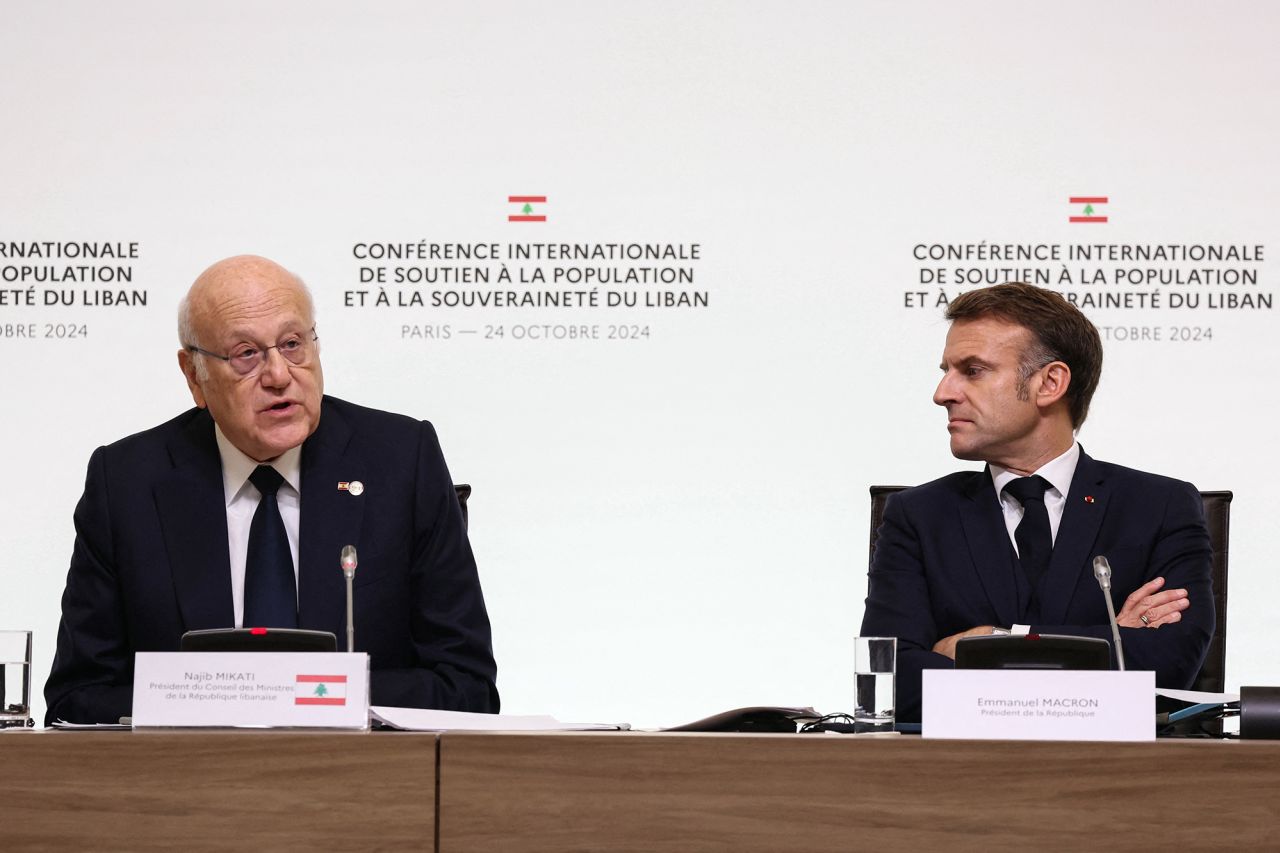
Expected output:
(235, 513)
(1010, 548)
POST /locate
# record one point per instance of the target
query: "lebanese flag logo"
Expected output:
(524, 208)
(320, 690)
(1089, 213)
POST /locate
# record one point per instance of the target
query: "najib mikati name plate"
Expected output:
(1007, 704)
(259, 689)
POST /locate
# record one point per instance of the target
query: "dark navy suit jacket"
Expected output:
(151, 562)
(943, 564)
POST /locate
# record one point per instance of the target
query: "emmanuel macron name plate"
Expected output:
(261, 689)
(1009, 704)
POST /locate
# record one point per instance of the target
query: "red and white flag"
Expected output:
(320, 690)
(1089, 212)
(525, 210)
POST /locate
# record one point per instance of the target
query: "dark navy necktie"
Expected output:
(1033, 535)
(270, 594)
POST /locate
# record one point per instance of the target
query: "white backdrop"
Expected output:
(675, 524)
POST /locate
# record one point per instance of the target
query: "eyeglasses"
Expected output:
(246, 359)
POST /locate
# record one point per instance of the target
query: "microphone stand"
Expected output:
(1102, 571)
(348, 562)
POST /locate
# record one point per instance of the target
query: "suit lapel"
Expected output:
(330, 519)
(193, 517)
(988, 539)
(1082, 516)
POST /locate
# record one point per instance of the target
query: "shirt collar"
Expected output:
(1059, 472)
(237, 466)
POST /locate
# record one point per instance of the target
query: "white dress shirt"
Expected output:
(242, 501)
(1058, 472)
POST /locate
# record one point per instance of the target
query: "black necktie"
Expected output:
(1034, 537)
(270, 594)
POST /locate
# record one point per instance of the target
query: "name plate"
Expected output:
(259, 689)
(1006, 704)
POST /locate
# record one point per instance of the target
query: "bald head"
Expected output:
(228, 280)
(250, 356)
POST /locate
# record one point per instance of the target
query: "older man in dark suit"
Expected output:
(234, 514)
(1010, 548)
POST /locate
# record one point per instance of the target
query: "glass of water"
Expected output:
(15, 686)
(874, 663)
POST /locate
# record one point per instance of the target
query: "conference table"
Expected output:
(616, 791)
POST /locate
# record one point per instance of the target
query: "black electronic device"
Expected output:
(1033, 651)
(755, 719)
(258, 640)
(1260, 713)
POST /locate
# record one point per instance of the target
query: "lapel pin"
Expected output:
(355, 487)
(1088, 499)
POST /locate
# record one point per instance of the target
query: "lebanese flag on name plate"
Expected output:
(320, 690)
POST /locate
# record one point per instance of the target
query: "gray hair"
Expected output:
(187, 336)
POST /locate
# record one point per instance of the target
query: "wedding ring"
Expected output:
(1143, 618)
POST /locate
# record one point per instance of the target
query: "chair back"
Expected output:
(463, 491)
(1217, 514)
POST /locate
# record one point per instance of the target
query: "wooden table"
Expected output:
(252, 790)
(668, 792)
(325, 791)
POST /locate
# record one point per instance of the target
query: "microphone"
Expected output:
(1102, 571)
(348, 561)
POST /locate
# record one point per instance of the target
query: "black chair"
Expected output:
(463, 491)
(1217, 512)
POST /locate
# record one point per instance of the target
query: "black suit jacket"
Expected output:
(944, 564)
(151, 562)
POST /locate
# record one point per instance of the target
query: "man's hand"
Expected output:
(947, 645)
(1147, 608)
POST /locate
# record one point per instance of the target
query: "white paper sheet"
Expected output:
(422, 720)
(1199, 697)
